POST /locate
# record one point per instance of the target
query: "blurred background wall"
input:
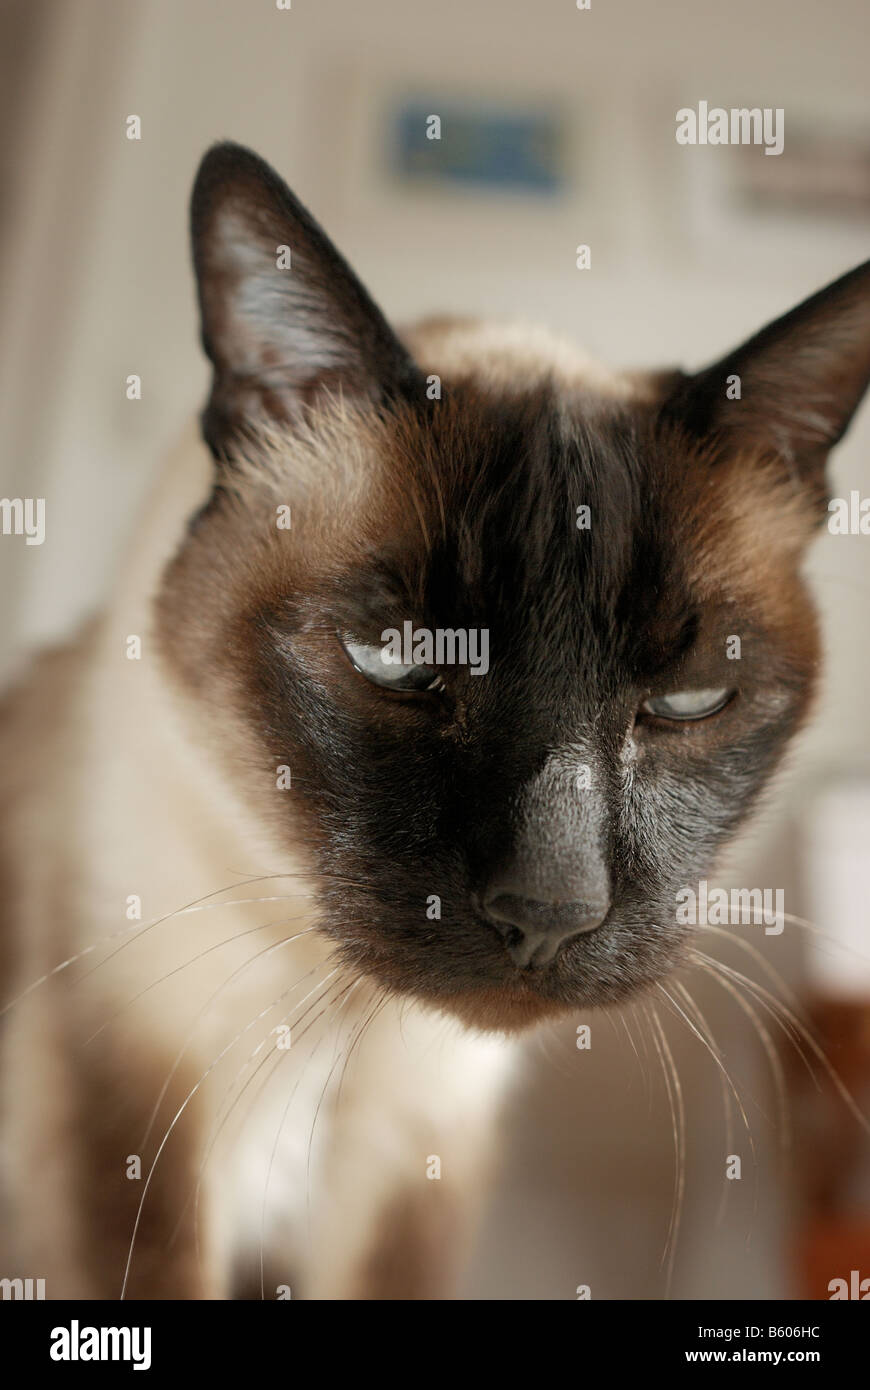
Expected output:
(685, 261)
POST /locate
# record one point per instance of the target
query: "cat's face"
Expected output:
(504, 837)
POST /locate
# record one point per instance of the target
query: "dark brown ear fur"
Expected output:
(278, 334)
(801, 379)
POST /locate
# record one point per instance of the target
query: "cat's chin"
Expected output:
(504, 1009)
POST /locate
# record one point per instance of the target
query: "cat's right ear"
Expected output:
(283, 316)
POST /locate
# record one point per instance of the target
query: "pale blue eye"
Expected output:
(370, 661)
(687, 704)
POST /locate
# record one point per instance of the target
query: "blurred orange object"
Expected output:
(833, 1159)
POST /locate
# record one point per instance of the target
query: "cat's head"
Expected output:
(616, 558)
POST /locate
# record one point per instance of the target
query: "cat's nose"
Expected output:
(534, 931)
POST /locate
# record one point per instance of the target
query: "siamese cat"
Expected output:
(278, 901)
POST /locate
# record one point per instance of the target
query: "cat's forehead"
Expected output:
(520, 424)
(534, 512)
(526, 478)
(527, 485)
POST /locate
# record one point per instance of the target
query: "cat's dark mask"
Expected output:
(505, 842)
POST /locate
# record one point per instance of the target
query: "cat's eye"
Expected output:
(684, 705)
(374, 663)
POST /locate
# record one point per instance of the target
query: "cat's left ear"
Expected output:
(793, 388)
(283, 315)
